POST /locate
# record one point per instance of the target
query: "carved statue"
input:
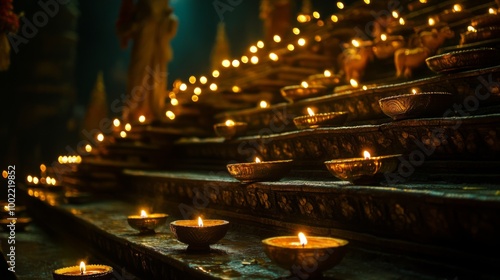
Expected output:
(354, 61)
(151, 25)
(406, 60)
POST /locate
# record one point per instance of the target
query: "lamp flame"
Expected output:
(354, 83)
(310, 111)
(304, 84)
(366, 155)
(230, 123)
(257, 160)
(82, 268)
(302, 239)
(327, 73)
(200, 222)
(383, 37)
(144, 214)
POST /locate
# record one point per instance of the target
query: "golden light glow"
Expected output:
(203, 80)
(302, 18)
(128, 127)
(235, 63)
(226, 63)
(116, 122)
(35, 180)
(354, 83)
(244, 59)
(317, 38)
(273, 56)
(301, 42)
(229, 123)
(367, 2)
(277, 38)
(260, 44)
(401, 21)
(215, 73)
(64, 159)
(183, 87)
(254, 60)
(355, 43)
(100, 137)
(290, 47)
(423, 1)
(253, 49)
(395, 14)
(195, 98)
(383, 37)
(192, 79)
(257, 160)
(59, 159)
(304, 84)
(492, 11)
(5, 174)
(366, 155)
(144, 214)
(310, 111)
(432, 21)
(302, 239)
(263, 104)
(174, 101)
(123, 134)
(296, 31)
(316, 15)
(43, 168)
(53, 180)
(327, 73)
(364, 87)
(197, 90)
(213, 87)
(236, 89)
(471, 29)
(88, 148)
(340, 5)
(78, 160)
(200, 222)
(170, 115)
(457, 8)
(415, 90)
(142, 118)
(83, 269)
(334, 18)
(29, 179)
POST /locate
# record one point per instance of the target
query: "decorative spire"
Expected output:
(97, 108)
(221, 49)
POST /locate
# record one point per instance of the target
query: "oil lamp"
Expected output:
(147, 223)
(84, 272)
(260, 170)
(199, 234)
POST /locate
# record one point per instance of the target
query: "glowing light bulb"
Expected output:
(304, 84)
(401, 21)
(244, 59)
(355, 43)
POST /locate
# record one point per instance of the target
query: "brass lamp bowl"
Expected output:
(485, 21)
(386, 49)
(481, 34)
(147, 224)
(230, 131)
(321, 253)
(320, 120)
(322, 80)
(298, 92)
(260, 171)
(199, 238)
(363, 171)
(408, 106)
(92, 272)
(463, 60)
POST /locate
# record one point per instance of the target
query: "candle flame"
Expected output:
(302, 239)
(304, 84)
(257, 159)
(200, 222)
(142, 118)
(366, 155)
(432, 21)
(263, 104)
(471, 29)
(144, 214)
(354, 83)
(401, 21)
(310, 111)
(327, 73)
(457, 8)
(230, 123)
(492, 11)
(355, 43)
(82, 267)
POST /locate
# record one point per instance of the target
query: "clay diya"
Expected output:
(490, 19)
(385, 46)
(363, 171)
(480, 35)
(260, 170)
(326, 79)
(463, 60)
(300, 254)
(300, 92)
(314, 120)
(147, 223)
(415, 105)
(199, 234)
(84, 272)
(230, 129)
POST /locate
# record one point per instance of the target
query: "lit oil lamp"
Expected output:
(300, 254)
(199, 234)
(230, 129)
(147, 223)
(259, 170)
(363, 171)
(320, 120)
(455, 13)
(303, 91)
(416, 104)
(385, 46)
(326, 79)
(84, 272)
